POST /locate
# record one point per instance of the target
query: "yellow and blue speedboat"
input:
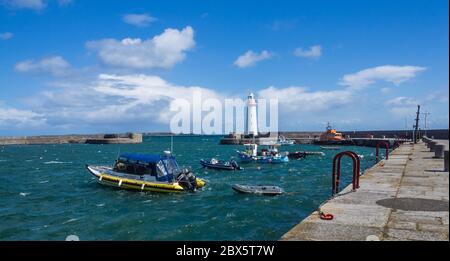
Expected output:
(147, 172)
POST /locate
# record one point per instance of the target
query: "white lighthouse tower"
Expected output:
(252, 120)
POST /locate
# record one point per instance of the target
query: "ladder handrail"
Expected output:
(337, 170)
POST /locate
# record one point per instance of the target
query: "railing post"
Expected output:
(446, 160)
(387, 149)
(377, 153)
(386, 145)
(439, 151)
(337, 170)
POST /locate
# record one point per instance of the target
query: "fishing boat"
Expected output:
(147, 172)
(330, 148)
(283, 141)
(220, 164)
(269, 154)
(263, 190)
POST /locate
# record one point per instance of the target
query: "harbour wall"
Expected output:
(360, 138)
(63, 139)
(403, 134)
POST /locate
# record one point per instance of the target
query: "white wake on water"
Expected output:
(58, 162)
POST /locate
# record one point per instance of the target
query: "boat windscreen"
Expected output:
(171, 165)
(160, 170)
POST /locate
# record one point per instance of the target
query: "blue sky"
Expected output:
(358, 64)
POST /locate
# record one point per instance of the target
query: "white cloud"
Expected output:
(6, 36)
(313, 52)
(250, 58)
(389, 73)
(54, 65)
(140, 20)
(113, 100)
(25, 4)
(402, 101)
(146, 90)
(299, 99)
(440, 96)
(385, 90)
(402, 106)
(14, 118)
(403, 111)
(162, 51)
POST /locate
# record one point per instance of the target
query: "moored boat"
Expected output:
(318, 153)
(296, 155)
(263, 190)
(331, 135)
(266, 155)
(330, 148)
(283, 141)
(147, 172)
(220, 164)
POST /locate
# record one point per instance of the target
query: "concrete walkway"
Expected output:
(403, 198)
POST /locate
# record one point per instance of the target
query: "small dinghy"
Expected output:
(319, 153)
(296, 155)
(264, 190)
(219, 164)
(330, 147)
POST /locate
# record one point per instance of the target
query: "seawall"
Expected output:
(359, 138)
(63, 139)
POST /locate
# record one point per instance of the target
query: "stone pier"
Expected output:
(403, 198)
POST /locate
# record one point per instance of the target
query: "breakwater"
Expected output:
(63, 139)
(359, 138)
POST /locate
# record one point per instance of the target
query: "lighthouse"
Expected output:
(252, 120)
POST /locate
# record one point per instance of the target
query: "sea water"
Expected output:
(47, 194)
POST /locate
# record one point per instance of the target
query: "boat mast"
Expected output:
(171, 143)
(118, 151)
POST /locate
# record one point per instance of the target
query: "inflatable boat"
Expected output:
(263, 190)
(219, 164)
(146, 172)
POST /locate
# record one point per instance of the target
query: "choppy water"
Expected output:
(46, 194)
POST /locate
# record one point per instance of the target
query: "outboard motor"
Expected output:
(187, 180)
(234, 164)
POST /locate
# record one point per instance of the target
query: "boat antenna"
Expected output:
(171, 143)
(118, 151)
(118, 142)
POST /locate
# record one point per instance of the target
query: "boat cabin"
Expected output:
(267, 149)
(163, 167)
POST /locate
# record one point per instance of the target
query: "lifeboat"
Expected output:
(331, 135)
